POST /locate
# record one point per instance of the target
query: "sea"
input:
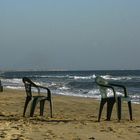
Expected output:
(75, 83)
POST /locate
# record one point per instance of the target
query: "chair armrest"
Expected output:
(29, 84)
(42, 87)
(121, 86)
(110, 87)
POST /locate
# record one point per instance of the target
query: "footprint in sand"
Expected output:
(11, 131)
(91, 138)
(2, 134)
(17, 137)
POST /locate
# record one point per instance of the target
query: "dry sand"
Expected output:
(74, 118)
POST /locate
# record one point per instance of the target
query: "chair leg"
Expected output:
(34, 103)
(28, 98)
(1, 88)
(103, 101)
(130, 109)
(119, 108)
(42, 102)
(110, 104)
(51, 108)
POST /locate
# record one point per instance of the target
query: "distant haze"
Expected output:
(70, 34)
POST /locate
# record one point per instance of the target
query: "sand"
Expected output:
(74, 118)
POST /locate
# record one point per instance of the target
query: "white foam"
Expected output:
(109, 77)
(15, 80)
(12, 87)
(64, 88)
(84, 77)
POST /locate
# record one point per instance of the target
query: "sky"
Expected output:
(70, 34)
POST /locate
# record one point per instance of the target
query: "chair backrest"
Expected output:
(101, 82)
(28, 85)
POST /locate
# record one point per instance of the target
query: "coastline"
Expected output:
(75, 83)
(74, 118)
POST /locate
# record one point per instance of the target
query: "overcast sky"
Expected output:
(70, 34)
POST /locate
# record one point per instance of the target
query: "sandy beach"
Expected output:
(74, 118)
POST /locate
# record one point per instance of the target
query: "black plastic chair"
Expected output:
(1, 87)
(40, 96)
(104, 87)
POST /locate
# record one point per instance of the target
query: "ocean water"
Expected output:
(75, 83)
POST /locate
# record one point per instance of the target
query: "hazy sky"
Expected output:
(70, 34)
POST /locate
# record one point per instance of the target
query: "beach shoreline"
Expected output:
(74, 118)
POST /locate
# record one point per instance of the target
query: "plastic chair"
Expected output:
(29, 86)
(1, 87)
(104, 87)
